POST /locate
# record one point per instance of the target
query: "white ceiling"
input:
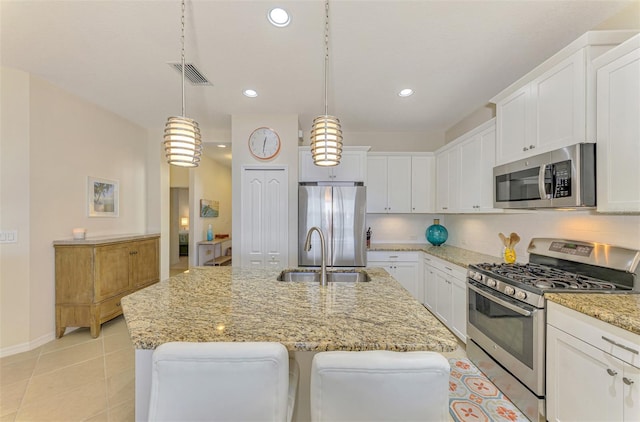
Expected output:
(456, 55)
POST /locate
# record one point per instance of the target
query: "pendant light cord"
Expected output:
(182, 57)
(326, 56)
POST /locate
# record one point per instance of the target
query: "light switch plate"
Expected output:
(9, 236)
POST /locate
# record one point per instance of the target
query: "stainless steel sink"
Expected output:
(356, 276)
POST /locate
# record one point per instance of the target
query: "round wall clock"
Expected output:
(264, 143)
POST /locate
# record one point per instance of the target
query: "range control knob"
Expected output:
(491, 282)
(521, 295)
(477, 276)
(509, 290)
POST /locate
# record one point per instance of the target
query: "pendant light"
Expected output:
(326, 133)
(182, 141)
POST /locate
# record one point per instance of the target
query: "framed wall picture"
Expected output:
(209, 208)
(103, 197)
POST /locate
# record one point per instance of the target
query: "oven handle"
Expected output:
(502, 302)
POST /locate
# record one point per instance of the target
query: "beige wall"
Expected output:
(54, 141)
(15, 263)
(394, 141)
(628, 18)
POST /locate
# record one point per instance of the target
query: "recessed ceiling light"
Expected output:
(279, 17)
(221, 146)
(406, 92)
(251, 93)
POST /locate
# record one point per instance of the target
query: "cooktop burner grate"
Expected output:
(543, 277)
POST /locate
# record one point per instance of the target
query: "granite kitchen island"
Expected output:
(237, 304)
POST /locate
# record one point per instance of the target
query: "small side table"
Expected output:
(211, 252)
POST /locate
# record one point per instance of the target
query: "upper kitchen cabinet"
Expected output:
(477, 157)
(400, 183)
(447, 179)
(423, 175)
(464, 172)
(388, 184)
(553, 106)
(352, 167)
(618, 128)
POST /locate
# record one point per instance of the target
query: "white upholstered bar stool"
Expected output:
(222, 382)
(379, 386)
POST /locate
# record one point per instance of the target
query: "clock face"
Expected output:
(264, 143)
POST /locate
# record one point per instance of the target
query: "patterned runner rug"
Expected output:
(472, 397)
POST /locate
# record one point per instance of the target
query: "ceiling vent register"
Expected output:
(192, 73)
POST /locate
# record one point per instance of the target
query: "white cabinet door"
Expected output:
(407, 274)
(548, 113)
(459, 308)
(399, 184)
(422, 184)
(618, 131)
(444, 305)
(376, 184)
(470, 167)
(631, 393)
(389, 184)
(513, 126)
(405, 267)
(559, 97)
(447, 180)
(265, 225)
(477, 158)
(583, 383)
(351, 168)
(430, 285)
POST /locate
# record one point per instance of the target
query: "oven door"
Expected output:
(511, 332)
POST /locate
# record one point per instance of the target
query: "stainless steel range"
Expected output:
(506, 325)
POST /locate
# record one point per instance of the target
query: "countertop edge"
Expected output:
(101, 240)
(453, 254)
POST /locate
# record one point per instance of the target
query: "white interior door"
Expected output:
(264, 217)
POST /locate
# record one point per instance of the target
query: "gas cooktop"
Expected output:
(543, 277)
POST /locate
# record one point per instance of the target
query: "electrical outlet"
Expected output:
(209, 251)
(9, 236)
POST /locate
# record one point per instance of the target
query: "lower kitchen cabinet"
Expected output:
(445, 294)
(92, 277)
(592, 375)
(403, 266)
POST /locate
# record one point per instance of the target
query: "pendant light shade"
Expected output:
(326, 132)
(182, 141)
(326, 141)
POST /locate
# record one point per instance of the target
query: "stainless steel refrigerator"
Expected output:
(339, 211)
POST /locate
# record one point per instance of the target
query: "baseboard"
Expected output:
(30, 345)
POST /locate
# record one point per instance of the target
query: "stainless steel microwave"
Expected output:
(564, 178)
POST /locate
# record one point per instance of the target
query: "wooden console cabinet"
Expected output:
(93, 275)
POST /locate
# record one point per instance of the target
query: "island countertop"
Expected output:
(241, 304)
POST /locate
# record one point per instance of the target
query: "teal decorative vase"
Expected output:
(437, 234)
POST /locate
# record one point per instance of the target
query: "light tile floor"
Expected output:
(77, 378)
(74, 378)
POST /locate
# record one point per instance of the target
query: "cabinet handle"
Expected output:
(627, 381)
(118, 304)
(611, 372)
(393, 256)
(532, 146)
(525, 148)
(622, 346)
(448, 268)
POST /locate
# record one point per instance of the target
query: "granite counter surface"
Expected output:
(240, 304)
(452, 254)
(620, 310)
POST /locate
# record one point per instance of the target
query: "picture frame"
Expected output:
(209, 208)
(103, 197)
